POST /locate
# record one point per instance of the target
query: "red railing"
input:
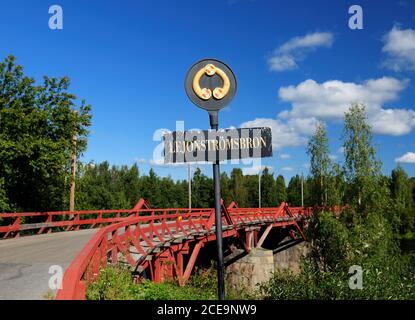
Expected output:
(14, 224)
(144, 238)
(157, 242)
(118, 238)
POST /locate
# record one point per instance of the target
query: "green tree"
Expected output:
(338, 242)
(182, 195)
(150, 190)
(401, 193)
(366, 190)
(130, 184)
(202, 190)
(238, 189)
(37, 126)
(336, 186)
(167, 191)
(4, 205)
(225, 184)
(318, 150)
(268, 189)
(98, 187)
(281, 190)
(412, 184)
(252, 186)
(294, 191)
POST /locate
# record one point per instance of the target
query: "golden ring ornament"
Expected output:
(205, 93)
(210, 84)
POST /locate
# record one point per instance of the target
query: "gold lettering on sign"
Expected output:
(216, 145)
(250, 143)
(188, 144)
(222, 144)
(219, 144)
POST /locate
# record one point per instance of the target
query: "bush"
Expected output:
(336, 246)
(116, 284)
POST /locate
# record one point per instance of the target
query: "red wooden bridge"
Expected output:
(155, 243)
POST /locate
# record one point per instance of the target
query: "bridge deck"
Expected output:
(25, 261)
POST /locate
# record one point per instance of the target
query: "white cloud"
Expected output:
(140, 160)
(329, 100)
(255, 169)
(311, 40)
(294, 50)
(159, 162)
(312, 102)
(282, 63)
(394, 122)
(287, 169)
(290, 133)
(333, 157)
(285, 156)
(341, 150)
(399, 46)
(302, 125)
(408, 157)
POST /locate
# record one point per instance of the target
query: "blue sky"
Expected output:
(296, 62)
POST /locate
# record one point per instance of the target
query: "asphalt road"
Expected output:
(25, 262)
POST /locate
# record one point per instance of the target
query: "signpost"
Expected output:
(211, 85)
(217, 145)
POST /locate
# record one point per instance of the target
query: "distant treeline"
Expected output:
(101, 186)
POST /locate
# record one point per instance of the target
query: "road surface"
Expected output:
(25, 262)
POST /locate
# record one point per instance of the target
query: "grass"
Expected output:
(49, 295)
(116, 284)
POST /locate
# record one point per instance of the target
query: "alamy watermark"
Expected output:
(356, 280)
(56, 20)
(55, 281)
(356, 20)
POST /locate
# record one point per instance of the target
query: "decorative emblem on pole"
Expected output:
(210, 84)
(205, 93)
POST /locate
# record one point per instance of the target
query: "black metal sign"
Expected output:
(217, 145)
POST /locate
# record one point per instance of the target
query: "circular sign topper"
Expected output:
(210, 84)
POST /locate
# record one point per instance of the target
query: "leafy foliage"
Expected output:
(101, 186)
(37, 123)
(403, 202)
(318, 150)
(281, 190)
(116, 283)
(294, 191)
(366, 190)
(335, 248)
(269, 190)
(364, 234)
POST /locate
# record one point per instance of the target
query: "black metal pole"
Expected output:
(218, 215)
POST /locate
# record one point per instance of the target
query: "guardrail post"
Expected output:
(17, 222)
